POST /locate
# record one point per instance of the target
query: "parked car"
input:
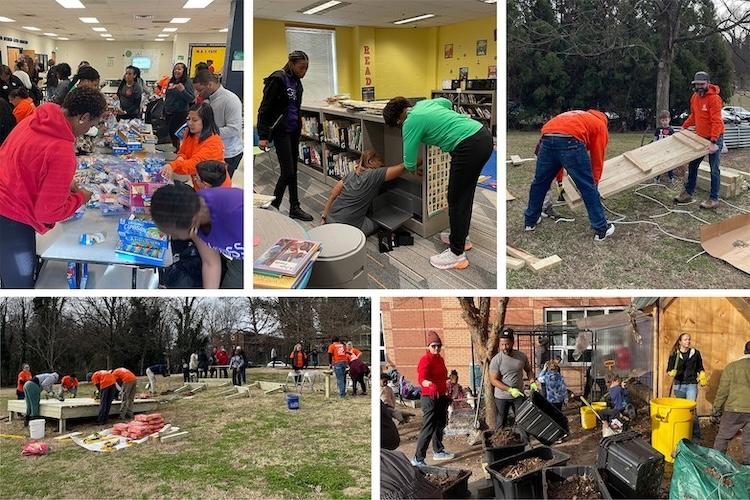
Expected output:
(729, 117)
(738, 111)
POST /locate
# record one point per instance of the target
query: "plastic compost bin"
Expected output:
(528, 485)
(537, 417)
(459, 485)
(630, 467)
(558, 474)
(495, 453)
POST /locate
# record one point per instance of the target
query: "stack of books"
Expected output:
(286, 265)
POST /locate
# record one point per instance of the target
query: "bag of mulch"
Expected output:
(701, 472)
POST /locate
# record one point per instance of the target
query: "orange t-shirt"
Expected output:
(103, 379)
(339, 352)
(24, 109)
(69, 382)
(355, 352)
(23, 377)
(192, 152)
(125, 375)
(589, 127)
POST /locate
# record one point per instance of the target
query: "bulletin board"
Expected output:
(203, 52)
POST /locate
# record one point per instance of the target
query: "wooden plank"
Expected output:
(174, 436)
(516, 160)
(688, 140)
(631, 157)
(509, 196)
(514, 263)
(228, 391)
(267, 386)
(198, 387)
(535, 263)
(271, 391)
(67, 436)
(238, 394)
(184, 388)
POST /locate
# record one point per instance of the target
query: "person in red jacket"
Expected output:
(576, 140)
(105, 383)
(36, 183)
(222, 359)
(23, 376)
(705, 115)
(126, 380)
(69, 384)
(432, 376)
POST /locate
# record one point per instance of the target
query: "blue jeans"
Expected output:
(714, 160)
(689, 391)
(340, 370)
(569, 153)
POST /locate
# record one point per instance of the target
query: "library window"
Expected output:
(320, 46)
(563, 343)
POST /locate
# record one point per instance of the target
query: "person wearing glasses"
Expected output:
(506, 375)
(432, 375)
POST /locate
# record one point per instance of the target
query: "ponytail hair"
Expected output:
(84, 73)
(676, 346)
(294, 58)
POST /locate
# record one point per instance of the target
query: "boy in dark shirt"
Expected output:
(663, 131)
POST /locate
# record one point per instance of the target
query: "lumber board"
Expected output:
(728, 175)
(174, 436)
(620, 174)
(238, 394)
(198, 387)
(67, 436)
(184, 388)
(546, 263)
(514, 263)
(267, 386)
(633, 158)
(726, 190)
(515, 159)
(233, 390)
(509, 196)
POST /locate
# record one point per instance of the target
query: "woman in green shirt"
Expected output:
(433, 122)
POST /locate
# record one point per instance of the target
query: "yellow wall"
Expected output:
(464, 38)
(406, 62)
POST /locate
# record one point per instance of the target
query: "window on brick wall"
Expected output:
(564, 342)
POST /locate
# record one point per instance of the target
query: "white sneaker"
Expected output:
(531, 228)
(445, 237)
(602, 235)
(449, 260)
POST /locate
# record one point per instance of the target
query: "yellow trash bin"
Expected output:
(671, 421)
(588, 419)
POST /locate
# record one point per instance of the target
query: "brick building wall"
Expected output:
(406, 321)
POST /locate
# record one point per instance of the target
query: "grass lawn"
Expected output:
(242, 448)
(638, 255)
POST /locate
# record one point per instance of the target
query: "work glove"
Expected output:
(702, 380)
(672, 373)
(716, 417)
(533, 386)
(515, 392)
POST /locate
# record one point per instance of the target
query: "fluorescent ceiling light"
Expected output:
(71, 4)
(162, 35)
(413, 19)
(170, 30)
(51, 34)
(321, 7)
(89, 20)
(489, 1)
(197, 4)
(6, 20)
(31, 28)
(106, 35)
(99, 28)
(179, 20)
(158, 39)
(63, 38)
(223, 30)
(110, 39)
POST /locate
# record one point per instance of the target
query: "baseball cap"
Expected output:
(700, 77)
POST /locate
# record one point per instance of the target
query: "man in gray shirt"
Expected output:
(227, 109)
(506, 375)
(351, 197)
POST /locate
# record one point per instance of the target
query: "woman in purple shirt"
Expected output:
(279, 120)
(213, 220)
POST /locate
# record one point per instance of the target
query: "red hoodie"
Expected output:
(432, 367)
(37, 164)
(589, 127)
(705, 114)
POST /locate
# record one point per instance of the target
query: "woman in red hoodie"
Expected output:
(36, 183)
(432, 376)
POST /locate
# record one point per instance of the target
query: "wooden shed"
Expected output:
(718, 326)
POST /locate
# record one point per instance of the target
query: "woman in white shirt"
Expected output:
(22, 72)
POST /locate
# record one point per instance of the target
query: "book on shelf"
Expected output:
(340, 164)
(310, 126)
(344, 134)
(286, 257)
(309, 154)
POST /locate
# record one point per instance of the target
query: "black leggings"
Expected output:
(467, 161)
(287, 151)
(17, 254)
(174, 122)
(435, 418)
(232, 164)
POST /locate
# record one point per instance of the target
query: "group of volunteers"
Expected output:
(731, 404)
(37, 188)
(576, 142)
(430, 121)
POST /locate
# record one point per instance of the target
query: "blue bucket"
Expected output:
(292, 401)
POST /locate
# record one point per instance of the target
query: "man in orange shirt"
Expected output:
(23, 104)
(576, 141)
(105, 384)
(69, 384)
(352, 351)
(705, 115)
(126, 380)
(23, 376)
(338, 360)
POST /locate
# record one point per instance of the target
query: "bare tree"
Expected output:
(51, 331)
(111, 315)
(485, 337)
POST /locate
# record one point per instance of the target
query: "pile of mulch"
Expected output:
(505, 437)
(522, 467)
(575, 487)
(439, 480)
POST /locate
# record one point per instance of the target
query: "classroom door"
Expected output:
(13, 54)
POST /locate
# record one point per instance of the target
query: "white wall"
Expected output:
(110, 59)
(39, 44)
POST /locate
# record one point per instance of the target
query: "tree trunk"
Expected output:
(668, 25)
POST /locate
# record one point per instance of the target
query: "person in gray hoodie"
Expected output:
(47, 380)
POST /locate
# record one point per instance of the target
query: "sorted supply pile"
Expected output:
(142, 426)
